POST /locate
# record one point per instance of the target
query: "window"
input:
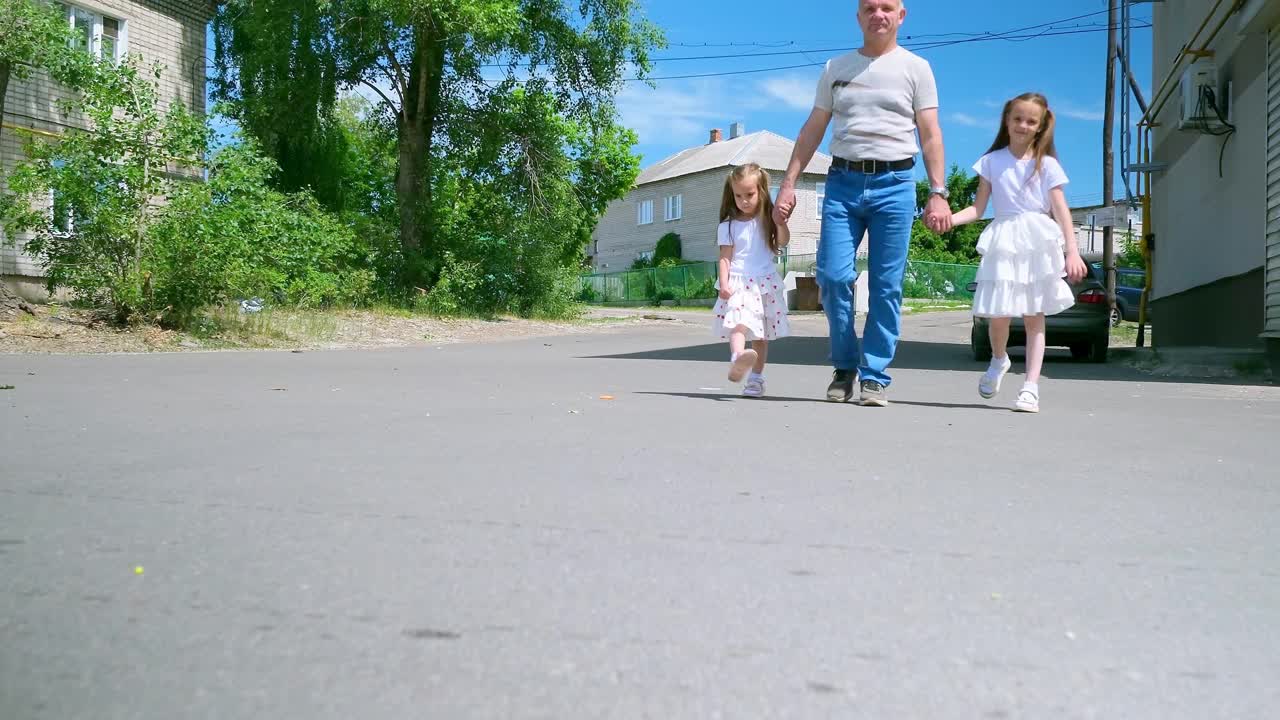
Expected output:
(773, 193)
(644, 212)
(674, 207)
(820, 197)
(98, 35)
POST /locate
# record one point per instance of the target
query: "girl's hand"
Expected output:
(1076, 269)
(726, 292)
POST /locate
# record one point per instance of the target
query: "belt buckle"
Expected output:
(864, 164)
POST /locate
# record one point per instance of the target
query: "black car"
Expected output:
(1084, 328)
(1129, 284)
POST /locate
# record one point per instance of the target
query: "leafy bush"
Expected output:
(458, 283)
(668, 249)
(233, 237)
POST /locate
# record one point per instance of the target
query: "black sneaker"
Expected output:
(874, 394)
(841, 387)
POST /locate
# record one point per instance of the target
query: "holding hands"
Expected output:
(937, 215)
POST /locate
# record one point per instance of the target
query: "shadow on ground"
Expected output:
(920, 355)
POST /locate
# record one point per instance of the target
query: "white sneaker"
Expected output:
(741, 364)
(1028, 400)
(989, 384)
(754, 387)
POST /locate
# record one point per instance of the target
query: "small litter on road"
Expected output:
(10, 387)
(711, 389)
(606, 397)
(575, 412)
(137, 570)
(279, 389)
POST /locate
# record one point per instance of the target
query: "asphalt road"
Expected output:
(470, 531)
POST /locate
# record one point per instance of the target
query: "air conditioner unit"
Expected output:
(1202, 103)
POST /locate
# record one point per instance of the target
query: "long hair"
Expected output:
(764, 210)
(1042, 145)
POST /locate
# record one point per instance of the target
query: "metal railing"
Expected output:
(696, 281)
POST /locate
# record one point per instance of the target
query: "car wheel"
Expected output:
(1117, 315)
(1098, 349)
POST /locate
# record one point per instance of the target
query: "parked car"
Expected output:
(1084, 328)
(1129, 284)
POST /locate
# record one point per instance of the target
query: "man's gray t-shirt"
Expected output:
(873, 102)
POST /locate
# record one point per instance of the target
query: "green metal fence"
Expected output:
(696, 281)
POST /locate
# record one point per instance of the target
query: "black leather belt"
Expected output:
(871, 167)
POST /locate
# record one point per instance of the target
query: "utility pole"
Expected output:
(1108, 157)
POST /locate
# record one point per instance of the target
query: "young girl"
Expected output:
(1025, 252)
(752, 304)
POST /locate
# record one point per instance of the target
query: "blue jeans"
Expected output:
(883, 205)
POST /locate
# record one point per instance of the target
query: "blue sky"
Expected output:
(974, 78)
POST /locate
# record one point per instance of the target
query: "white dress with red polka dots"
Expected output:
(759, 300)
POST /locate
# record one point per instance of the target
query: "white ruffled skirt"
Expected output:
(1022, 268)
(758, 303)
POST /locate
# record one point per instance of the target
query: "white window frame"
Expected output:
(96, 30)
(644, 212)
(819, 197)
(673, 207)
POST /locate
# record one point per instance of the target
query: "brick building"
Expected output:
(171, 32)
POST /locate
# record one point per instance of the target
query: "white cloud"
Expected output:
(960, 118)
(1077, 113)
(794, 91)
(677, 113)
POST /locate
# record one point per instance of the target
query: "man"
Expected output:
(878, 95)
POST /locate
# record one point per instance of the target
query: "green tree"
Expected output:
(439, 66)
(524, 196)
(36, 36)
(959, 245)
(104, 181)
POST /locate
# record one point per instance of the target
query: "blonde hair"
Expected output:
(764, 210)
(1042, 145)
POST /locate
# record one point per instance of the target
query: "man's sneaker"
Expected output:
(841, 387)
(874, 394)
(754, 387)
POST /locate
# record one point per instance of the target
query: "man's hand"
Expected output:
(785, 204)
(937, 214)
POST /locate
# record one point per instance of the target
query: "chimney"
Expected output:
(736, 130)
(715, 135)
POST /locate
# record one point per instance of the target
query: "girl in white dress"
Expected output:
(1029, 247)
(752, 304)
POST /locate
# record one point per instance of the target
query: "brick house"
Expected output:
(171, 32)
(681, 194)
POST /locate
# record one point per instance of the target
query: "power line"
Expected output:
(969, 37)
(966, 37)
(928, 46)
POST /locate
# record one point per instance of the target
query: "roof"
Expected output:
(768, 150)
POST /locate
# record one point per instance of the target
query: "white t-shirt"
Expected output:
(751, 254)
(1016, 187)
(873, 102)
